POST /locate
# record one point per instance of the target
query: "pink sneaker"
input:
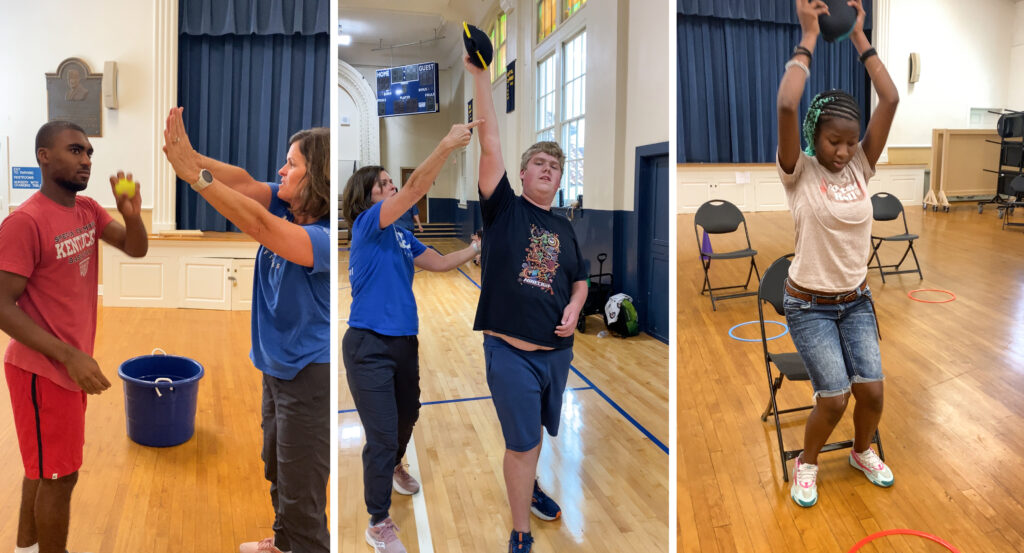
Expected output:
(403, 482)
(383, 539)
(872, 467)
(804, 490)
(262, 546)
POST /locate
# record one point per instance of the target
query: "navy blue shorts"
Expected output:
(527, 390)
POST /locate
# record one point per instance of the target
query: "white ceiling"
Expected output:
(404, 31)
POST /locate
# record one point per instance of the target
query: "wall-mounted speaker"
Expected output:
(915, 67)
(110, 84)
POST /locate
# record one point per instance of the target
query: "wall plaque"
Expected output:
(75, 94)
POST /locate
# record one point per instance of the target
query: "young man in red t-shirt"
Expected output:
(48, 293)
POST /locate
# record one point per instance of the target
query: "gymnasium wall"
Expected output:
(627, 102)
(405, 141)
(965, 50)
(348, 133)
(37, 37)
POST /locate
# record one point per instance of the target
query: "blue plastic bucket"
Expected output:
(160, 393)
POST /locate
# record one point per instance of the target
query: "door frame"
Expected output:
(645, 156)
(422, 203)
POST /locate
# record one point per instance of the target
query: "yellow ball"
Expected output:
(125, 187)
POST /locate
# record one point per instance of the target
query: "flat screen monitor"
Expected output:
(407, 90)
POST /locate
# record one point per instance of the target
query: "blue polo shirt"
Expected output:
(380, 268)
(291, 304)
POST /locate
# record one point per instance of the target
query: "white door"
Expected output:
(204, 283)
(242, 273)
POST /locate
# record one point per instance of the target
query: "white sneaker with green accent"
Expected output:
(872, 467)
(804, 490)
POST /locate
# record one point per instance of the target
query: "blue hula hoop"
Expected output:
(785, 330)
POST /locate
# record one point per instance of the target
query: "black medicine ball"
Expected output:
(478, 46)
(839, 24)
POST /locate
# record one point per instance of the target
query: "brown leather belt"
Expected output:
(823, 298)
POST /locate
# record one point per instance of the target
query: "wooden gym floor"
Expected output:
(609, 478)
(953, 426)
(207, 494)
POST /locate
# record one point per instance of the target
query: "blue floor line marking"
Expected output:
(622, 411)
(460, 400)
(467, 276)
(590, 384)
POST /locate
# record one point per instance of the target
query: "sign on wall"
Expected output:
(510, 87)
(26, 178)
(74, 94)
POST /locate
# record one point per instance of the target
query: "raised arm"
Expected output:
(791, 89)
(82, 368)
(492, 166)
(232, 176)
(286, 239)
(423, 177)
(131, 237)
(877, 132)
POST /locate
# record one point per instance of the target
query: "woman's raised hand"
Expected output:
(460, 134)
(178, 149)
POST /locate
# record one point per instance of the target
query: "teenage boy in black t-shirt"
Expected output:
(533, 290)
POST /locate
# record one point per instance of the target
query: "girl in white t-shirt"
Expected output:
(828, 305)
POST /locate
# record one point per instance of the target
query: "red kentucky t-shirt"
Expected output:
(56, 248)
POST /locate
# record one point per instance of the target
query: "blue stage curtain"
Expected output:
(248, 17)
(246, 93)
(729, 68)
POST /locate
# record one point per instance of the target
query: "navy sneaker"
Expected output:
(543, 507)
(520, 542)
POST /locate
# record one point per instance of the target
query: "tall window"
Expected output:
(498, 41)
(561, 109)
(574, 107)
(546, 16)
(549, 16)
(546, 87)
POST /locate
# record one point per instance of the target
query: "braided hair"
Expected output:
(834, 104)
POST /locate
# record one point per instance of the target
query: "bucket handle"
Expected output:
(162, 352)
(162, 379)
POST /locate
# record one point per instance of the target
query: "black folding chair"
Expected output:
(790, 366)
(722, 217)
(1016, 188)
(886, 207)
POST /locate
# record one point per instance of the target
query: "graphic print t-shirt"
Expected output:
(529, 261)
(55, 248)
(832, 216)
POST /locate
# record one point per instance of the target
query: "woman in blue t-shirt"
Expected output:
(290, 318)
(380, 347)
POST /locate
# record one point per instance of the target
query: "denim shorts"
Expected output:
(526, 387)
(838, 343)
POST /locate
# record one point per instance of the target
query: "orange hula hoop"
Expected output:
(903, 531)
